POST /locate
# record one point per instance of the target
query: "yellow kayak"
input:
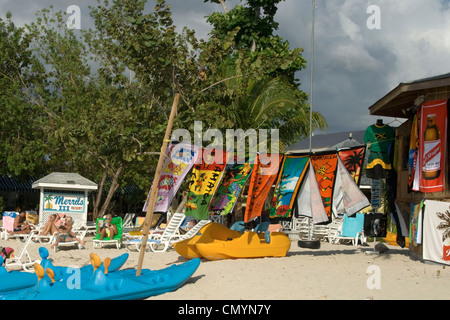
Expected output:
(210, 232)
(248, 245)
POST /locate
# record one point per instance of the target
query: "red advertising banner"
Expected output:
(432, 146)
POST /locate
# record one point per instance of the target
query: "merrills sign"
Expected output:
(64, 202)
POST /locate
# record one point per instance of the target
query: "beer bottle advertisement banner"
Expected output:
(432, 147)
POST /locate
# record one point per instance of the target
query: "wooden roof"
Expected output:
(399, 102)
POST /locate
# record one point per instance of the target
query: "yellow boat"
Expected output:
(248, 245)
(210, 232)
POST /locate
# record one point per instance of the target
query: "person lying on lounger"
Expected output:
(65, 233)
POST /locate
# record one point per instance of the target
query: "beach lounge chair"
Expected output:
(189, 234)
(22, 259)
(160, 242)
(81, 233)
(117, 239)
(352, 229)
(128, 220)
(8, 226)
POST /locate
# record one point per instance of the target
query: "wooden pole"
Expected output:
(154, 193)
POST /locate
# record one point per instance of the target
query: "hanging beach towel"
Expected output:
(309, 200)
(204, 181)
(432, 146)
(325, 171)
(347, 197)
(178, 162)
(353, 159)
(292, 172)
(235, 177)
(265, 171)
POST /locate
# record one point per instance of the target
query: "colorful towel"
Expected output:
(204, 181)
(353, 160)
(436, 232)
(412, 154)
(178, 162)
(432, 146)
(236, 175)
(347, 197)
(309, 200)
(325, 165)
(292, 170)
(265, 171)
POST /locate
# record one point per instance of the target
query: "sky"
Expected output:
(360, 55)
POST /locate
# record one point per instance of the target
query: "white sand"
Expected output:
(330, 273)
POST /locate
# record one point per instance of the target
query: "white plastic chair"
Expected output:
(153, 243)
(23, 259)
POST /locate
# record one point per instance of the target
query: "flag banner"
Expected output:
(436, 231)
(265, 171)
(432, 146)
(204, 182)
(178, 162)
(353, 160)
(235, 177)
(309, 200)
(292, 171)
(347, 197)
(325, 170)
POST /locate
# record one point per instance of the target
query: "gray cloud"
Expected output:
(354, 66)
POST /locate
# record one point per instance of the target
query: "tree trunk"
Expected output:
(98, 198)
(222, 2)
(112, 190)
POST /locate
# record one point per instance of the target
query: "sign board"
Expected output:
(64, 202)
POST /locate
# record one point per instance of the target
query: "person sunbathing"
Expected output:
(52, 224)
(106, 228)
(20, 224)
(65, 233)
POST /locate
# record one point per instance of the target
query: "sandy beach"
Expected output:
(333, 272)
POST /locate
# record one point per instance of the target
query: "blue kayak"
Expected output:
(119, 285)
(11, 281)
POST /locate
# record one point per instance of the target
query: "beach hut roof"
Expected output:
(65, 180)
(328, 142)
(400, 101)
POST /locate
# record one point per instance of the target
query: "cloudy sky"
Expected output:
(354, 65)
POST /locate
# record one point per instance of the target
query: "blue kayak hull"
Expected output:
(119, 285)
(11, 281)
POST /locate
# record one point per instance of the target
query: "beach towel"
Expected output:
(436, 232)
(230, 188)
(412, 154)
(204, 182)
(292, 172)
(432, 146)
(309, 200)
(415, 226)
(265, 171)
(347, 197)
(178, 162)
(325, 165)
(353, 159)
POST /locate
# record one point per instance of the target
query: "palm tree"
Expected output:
(271, 103)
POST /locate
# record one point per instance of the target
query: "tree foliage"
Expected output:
(97, 101)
